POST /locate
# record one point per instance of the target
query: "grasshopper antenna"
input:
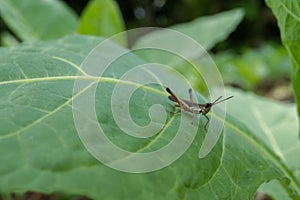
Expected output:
(217, 101)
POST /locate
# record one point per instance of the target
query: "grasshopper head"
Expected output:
(207, 108)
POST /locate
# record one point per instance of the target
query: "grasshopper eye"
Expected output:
(208, 105)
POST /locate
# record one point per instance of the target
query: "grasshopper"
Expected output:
(192, 107)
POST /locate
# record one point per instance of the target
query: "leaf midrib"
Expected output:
(59, 78)
(90, 78)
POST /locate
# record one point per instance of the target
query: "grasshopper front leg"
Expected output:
(205, 126)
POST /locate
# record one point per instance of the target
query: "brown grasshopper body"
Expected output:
(192, 107)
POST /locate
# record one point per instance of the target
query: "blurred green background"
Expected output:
(251, 58)
(259, 24)
(252, 55)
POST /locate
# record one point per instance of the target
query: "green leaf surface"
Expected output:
(42, 151)
(102, 18)
(207, 31)
(33, 20)
(288, 17)
(274, 125)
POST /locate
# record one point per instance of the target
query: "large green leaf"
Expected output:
(41, 151)
(33, 20)
(101, 17)
(206, 30)
(288, 17)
